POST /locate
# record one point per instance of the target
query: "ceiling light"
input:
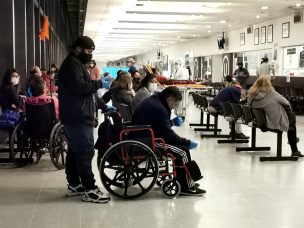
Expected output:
(258, 16)
(208, 26)
(209, 31)
(229, 25)
(222, 22)
(264, 8)
(298, 5)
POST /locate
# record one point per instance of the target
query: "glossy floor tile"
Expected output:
(241, 192)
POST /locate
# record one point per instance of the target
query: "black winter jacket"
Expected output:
(155, 111)
(75, 93)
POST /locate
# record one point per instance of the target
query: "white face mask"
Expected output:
(15, 81)
(152, 87)
(92, 65)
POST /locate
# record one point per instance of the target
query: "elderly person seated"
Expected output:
(146, 89)
(277, 109)
(156, 111)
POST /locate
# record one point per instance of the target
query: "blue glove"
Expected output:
(193, 145)
(110, 108)
(178, 121)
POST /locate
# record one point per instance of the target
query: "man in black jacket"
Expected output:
(156, 111)
(77, 107)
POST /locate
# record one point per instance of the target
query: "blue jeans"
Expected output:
(80, 154)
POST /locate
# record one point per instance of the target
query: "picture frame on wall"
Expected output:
(256, 36)
(270, 34)
(166, 63)
(285, 30)
(263, 35)
(242, 38)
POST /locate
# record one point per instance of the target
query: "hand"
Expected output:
(193, 145)
(178, 121)
(110, 108)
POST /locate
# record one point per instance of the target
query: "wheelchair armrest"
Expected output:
(136, 127)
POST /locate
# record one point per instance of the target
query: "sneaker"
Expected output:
(193, 192)
(95, 196)
(241, 136)
(75, 191)
(297, 154)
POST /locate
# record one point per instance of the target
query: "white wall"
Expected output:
(208, 46)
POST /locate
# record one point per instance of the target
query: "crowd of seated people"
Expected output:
(38, 88)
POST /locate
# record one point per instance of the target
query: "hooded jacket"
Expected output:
(75, 93)
(273, 105)
(155, 111)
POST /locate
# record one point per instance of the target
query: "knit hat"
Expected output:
(84, 42)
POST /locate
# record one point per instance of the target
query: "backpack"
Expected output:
(108, 134)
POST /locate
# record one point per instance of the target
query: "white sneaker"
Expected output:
(75, 191)
(95, 196)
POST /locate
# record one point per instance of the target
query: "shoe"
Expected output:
(196, 185)
(75, 191)
(241, 136)
(193, 192)
(95, 196)
(297, 154)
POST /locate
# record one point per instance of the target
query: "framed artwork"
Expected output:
(242, 39)
(263, 35)
(285, 30)
(165, 63)
(270, 34)
(256, 36)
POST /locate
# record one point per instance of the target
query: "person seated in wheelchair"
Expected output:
(277, 109)
(156, 112)
(38, 89)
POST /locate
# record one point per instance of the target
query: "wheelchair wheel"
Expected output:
(20, 146)
(162, 179)
(129, 169)
(58, 146)
(171, 188)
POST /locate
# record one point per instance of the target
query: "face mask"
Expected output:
(92, 65)
(15, 81)
(152, 87)
(136, 79)
(85, 58)
(53, 69)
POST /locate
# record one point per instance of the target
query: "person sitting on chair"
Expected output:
(277, 109)
(156, 111)
(38, 89)
(146, 89)
(231, 94)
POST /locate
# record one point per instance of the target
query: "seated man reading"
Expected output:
(38, 89)
(156, 111)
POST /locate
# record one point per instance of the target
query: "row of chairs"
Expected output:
(237, 113)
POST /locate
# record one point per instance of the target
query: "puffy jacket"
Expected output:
(155, 111)
(75, 93)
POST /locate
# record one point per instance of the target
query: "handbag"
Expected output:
(9, 118)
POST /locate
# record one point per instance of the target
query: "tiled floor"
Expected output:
(241, 192)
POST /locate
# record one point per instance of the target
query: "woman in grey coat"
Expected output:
(277, 109)
(146, 89)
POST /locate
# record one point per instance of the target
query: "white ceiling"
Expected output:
(122, 28)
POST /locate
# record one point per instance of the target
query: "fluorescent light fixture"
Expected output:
(229, 25)
(209, 31)
(264, 8)
(223, 22)
(258, 16)
(298, 5)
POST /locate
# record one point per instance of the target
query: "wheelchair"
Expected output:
(37, 133)
(129, 162)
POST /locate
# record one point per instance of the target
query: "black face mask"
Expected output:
(136, 79)
(85, 58)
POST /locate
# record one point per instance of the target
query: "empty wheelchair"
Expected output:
(38, 132)
(129, 162)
